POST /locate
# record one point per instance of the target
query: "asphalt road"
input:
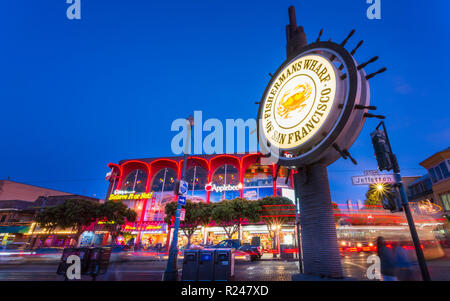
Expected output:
(354, 266)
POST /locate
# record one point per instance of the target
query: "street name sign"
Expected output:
(372, 179)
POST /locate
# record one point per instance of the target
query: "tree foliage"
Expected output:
(113, 215)
(229, 214)
(276, 211)
(196, 215)
(78, 214)
(373, 197)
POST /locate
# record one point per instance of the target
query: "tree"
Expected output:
(229, 214)
(375, 194)
(275, 212)
(48, 219)
(196, 214)
(74, 214)
(112, 215)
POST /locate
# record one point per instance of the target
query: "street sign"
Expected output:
(183, 188)
(372, 179)
(182, 200)
(182, 214)
(373, 172)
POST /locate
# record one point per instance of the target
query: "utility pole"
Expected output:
(387, 161)
(171, 273)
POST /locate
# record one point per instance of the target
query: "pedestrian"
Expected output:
(404, 271)
(387, 260)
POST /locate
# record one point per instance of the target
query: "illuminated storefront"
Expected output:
(147, 185)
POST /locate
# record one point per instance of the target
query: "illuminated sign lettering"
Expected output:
(214, 187)
(130, 196)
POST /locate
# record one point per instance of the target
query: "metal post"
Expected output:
(319, 239)
(409, 217)
(412, 229)
(171, 273)
(299, 242)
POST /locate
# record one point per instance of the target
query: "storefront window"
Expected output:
(258, 182)
(135, 181)
(164, 180)
(281, 180)
(445, 198)
(223, 176)
(258, 176)
(197, 178)
(163, 185)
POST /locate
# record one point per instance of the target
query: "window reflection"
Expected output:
(135, 181)
(197, 178)
(164, 180)
(258, 175)
(226, 175)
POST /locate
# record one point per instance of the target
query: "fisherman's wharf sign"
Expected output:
(299, 101)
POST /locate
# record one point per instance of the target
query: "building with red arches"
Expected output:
(146, 185)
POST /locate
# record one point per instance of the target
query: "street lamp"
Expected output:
(380, 187)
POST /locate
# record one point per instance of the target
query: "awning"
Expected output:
(14, 229)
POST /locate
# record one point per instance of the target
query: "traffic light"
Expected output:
(391, 199)
(383, 152)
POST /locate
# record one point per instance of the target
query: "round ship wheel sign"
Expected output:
(308, 113)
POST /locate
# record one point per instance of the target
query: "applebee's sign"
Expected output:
(214, 187)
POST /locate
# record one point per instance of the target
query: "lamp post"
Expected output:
(171, 273)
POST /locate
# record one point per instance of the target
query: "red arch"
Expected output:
(220, 160)
(114, 165)
(131, 165)
(201, 161)
(159, 164)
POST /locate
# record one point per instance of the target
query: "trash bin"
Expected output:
(82, 253)
(224, 265)
(206, 265)
(93, 261)
(286, 251)
(190, 265)
(104, 260)
(98, 261)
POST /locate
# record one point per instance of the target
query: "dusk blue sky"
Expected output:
(78, 94)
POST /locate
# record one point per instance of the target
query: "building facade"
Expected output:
(18, 210)
(438, 166)
(147, 185)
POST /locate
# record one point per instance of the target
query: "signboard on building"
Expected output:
(228, 187)
(130, 196)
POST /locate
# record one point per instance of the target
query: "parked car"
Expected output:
(120, 252)
(253, 252)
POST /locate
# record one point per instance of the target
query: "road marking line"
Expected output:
(358, 265)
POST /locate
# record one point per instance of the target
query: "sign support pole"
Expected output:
(171, 273)
(319, 239)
